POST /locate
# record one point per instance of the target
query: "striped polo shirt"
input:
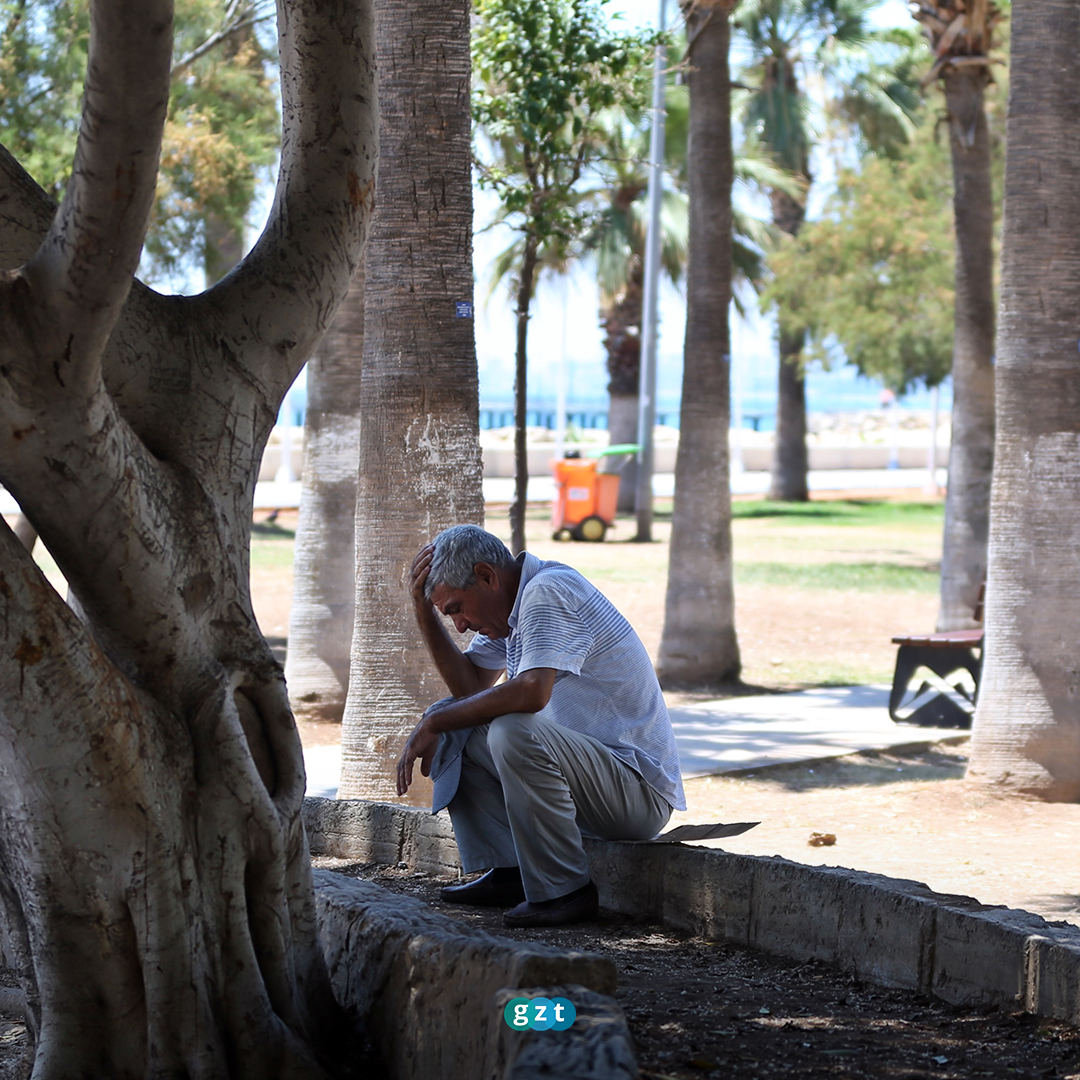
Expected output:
(605, 686)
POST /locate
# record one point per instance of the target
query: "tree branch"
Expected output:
(25, 213)
(291, 283)
(234, 21)
(83, 271)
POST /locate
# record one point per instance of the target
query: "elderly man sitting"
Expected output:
(576, 741)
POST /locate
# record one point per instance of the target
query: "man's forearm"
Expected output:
(526, 693)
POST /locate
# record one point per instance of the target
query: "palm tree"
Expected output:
(960, 39)
(617, 245)
(786, 41)
(419, 467)
(698, 645)
(324, 569)
(1027, 723)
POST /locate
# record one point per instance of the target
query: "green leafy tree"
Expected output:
(545, 73)
(874, 276)
(222, 128)
(870, 80)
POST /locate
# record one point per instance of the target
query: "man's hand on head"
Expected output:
(418, 574)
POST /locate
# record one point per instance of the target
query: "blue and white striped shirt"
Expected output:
(605, 686)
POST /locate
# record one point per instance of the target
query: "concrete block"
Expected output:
(427, 986)
(598, 1046)
(793, 913)
(1053, 973)
(890, 932)
(980, 952)
(886, 930)
(381, 833)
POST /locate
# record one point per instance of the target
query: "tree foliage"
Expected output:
(222, 130)
(873, 278)
(547, 70)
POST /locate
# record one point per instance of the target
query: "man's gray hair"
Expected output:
(457, 551)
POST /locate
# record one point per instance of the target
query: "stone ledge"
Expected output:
(887, 931)
(429, 988)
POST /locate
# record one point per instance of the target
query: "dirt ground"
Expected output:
(699, 1009)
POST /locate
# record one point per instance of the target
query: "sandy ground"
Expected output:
(904, 815)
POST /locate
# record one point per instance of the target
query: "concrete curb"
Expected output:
(890, 932)
(432, 992)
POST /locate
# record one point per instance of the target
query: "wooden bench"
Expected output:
(936, 681)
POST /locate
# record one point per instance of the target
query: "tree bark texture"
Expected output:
(623, 428)
(698, 646)
(154, 874)
(521, 398)
(788, 482)
(324, 566)
(971, 456)
(1027, 723)
(420, 468)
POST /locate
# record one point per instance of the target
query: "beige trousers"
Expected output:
(529, 790)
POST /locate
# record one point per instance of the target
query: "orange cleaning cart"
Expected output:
(585, 499)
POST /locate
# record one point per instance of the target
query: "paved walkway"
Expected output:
(736, 734)
(498, 489)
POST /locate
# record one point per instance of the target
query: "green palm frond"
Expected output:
(871, 75)
(755, 167)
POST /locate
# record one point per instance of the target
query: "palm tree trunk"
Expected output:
(521, 397)
(324, 567)
(790, 461)
(971, 457)
(698, 646)
(420, 465)
(622, 323)
(1027, 724)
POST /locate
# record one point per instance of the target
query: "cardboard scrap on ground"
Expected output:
(683, 833)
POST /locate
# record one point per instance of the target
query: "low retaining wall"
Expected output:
(887, 931)
(431, 991)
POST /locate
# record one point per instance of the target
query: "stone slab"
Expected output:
(887, 931)
(429, 988)
(598, 1047)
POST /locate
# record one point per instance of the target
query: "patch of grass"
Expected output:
(272, 552)
(843, 512)
(866, 577)
(801, 673)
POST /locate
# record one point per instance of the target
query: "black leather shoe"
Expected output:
(579, 906)
(497, 888)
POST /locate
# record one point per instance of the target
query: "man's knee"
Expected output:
(509, 736)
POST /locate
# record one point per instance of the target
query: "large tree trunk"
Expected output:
(790, 460)
(521, 398)
(622, 340)
(698, 646)
(420, 467)
(154, 873)
(1027, 723)
(324, 568)
(971, 456)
